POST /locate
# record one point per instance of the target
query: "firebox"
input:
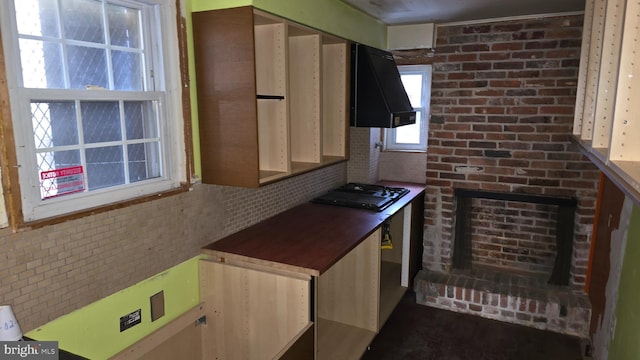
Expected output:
(524, 233)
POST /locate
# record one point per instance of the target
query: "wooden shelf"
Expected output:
(327, 159)
(270, 176)
(601, 153)
(300, 167)
(630, 170)
(341, 341)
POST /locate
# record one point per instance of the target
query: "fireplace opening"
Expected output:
(509, 233)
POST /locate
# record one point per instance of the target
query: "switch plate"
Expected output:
(157, 305)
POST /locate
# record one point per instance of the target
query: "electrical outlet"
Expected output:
(157, 305)
(130, 320)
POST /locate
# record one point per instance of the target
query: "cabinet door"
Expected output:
(251, 314)
(224, 56)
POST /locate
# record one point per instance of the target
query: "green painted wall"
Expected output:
(94, 331)
(625, 344)
(330, 16)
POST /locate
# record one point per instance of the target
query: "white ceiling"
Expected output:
(397, 12)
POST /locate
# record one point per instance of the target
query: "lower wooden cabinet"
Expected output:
(262, 313)
(259, 310)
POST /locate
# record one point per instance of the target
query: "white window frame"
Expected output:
(390, 134)
(165, 51)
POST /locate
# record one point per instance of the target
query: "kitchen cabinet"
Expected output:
(272, 97)
(312, 281)
(606, 127)
(253, 313)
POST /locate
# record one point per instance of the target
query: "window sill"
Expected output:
(35, 224)
(404, 151)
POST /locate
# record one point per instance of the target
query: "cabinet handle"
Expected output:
(270, 97)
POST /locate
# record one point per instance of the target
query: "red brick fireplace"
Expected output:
(528, 235)
(502, 108)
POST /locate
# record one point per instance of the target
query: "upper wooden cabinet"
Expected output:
(272, 97)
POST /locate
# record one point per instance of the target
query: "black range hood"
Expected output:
(378, 98)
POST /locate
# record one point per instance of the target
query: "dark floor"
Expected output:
(419, 332)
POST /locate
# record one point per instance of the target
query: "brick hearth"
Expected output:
(507, 297)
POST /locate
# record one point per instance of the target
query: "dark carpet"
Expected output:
(416, 331)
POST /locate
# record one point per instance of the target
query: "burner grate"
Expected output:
(365, 196)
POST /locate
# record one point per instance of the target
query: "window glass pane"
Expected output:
(51, 161)
(42, 64)
(140, 120)
(101, 121)
(57, 160)
(54, 124)
(144, 161)
(87, 66)
(124, 26)
(37, 17)
(82, 20)
(413, 86)
(105, 167)
(126, 71)
(409, 134)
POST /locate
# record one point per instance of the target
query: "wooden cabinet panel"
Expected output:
(609, 66)
(225, 74)
(335, 104)
(348, 302)
(348, 291)
(251, 314)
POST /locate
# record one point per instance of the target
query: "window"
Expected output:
(91, 101)
(417, 82)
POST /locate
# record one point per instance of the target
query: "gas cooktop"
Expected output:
(363, 196)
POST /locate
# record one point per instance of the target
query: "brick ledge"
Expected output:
(551, 308)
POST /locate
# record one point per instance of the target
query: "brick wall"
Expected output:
(513, 235)
(502, 107)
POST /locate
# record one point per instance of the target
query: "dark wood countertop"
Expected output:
(308, 238)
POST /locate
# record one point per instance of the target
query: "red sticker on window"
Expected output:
(62, 181)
